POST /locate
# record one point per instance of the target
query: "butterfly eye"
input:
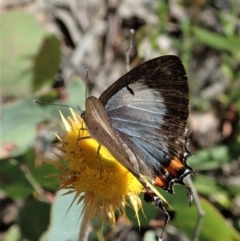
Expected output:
(83, 115)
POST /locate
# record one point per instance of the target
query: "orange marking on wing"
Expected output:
(160, 182)
(174, 166)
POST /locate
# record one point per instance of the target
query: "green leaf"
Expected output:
(29, 55)
(217, 41)
(13, 234)
(209, 186)
(13, 180)
(214, 226)
(76, 91)
(33, 219)
(42, 173)
(19, 120)
(42, 176)
(65, 224)
(213, 158)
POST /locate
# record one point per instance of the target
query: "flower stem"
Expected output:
(84, 228)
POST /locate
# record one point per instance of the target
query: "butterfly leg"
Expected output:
(98, 152)
(150, 196)
(81, 129)
(82, 138)
(192, 194)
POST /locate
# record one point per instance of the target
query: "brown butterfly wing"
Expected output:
(149, 107)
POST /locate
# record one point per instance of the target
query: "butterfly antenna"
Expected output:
(86, 90)
(201, 213)
(43, 103)
(128, 51)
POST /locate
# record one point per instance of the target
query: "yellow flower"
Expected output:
(97, 178)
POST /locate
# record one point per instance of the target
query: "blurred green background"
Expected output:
(46, 48)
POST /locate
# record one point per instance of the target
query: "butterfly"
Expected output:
(142, 120)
